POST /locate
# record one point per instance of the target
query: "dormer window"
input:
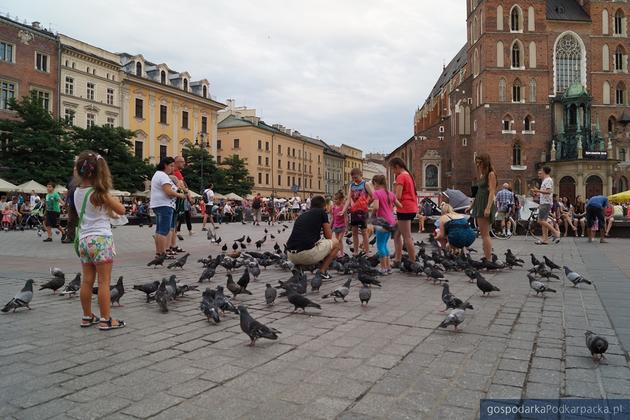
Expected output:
(186, 85)
(163, 77)
(138, 69)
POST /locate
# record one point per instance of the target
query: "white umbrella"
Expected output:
(235, 197)
(61, 189)
(193, 194)
(6, 186)
(219, 196)
(117, 193)
(146, 193)
(31, 185)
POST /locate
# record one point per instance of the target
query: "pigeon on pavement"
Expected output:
(368, 280)
(552, 265)
(365, 294)
(450, 300)
(208, 306)
(73, 287)
(538, 286)
(270, 294)
(574, 277)
(148, 288)
(596, 344)
(340, 292)
(535, 260)
(207, 273)
(117, 291)
(484, 285)
(223, 302)
(158, 260)
(54, 284)
(180, 262)
(56, 272)
(454, 318)
(161, 296)
(316, 281)
(22, 298)
(299, 301)
(255, 329)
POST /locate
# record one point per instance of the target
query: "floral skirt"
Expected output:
(96, 249)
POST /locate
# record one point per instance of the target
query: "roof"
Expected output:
(391, 154)
(566, 10)
(456, 64)
(575, 90)
(41, 31)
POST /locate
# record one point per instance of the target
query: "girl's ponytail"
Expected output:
(92, 166)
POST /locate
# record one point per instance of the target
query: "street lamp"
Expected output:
(203, 144)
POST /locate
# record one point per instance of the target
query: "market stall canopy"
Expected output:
(61, 189)
(145, 194)
(31, 185)
(6, 186)
(235, 197)
(219, 196)
(118, 193)
(193, 194)
(620, 198)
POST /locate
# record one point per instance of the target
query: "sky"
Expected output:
(351, 71)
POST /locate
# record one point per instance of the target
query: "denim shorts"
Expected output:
(163, 219)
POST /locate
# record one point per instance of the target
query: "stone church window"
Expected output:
(569, 64)
(431, 176)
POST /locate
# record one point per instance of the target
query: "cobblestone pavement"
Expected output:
(386, 360)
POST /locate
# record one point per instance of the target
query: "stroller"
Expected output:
(35, 219)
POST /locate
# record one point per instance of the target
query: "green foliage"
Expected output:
(194, 156)
(114, 144)
(36, 145)
(237, 178)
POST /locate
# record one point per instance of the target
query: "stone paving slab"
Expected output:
(386, 360)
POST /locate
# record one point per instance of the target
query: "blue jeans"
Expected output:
(382, 237)
(163, 219)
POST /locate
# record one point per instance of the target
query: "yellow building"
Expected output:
(353, 159)
(278, 159)
(165, 109)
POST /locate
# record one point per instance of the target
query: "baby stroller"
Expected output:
(35, 219)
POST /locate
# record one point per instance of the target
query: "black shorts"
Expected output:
(595, 213)
(52, 219)
(405, 216)
(358, 219)
(209, 209)
(295, 210)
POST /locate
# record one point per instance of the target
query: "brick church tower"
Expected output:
(537, 82)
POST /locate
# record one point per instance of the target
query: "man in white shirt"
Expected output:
(208, 197)
(544, 209)
(295, 207)
(34, 198)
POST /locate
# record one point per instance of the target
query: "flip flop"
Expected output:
(541, 243)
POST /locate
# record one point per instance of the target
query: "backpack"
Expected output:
(256, 204)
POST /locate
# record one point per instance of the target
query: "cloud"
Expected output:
(346, 71)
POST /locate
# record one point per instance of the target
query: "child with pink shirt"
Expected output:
(383, 206)
(339, 220)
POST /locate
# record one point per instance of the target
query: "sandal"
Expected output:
(109, 326)
(541, 243)
(177, 249)
(91, 320)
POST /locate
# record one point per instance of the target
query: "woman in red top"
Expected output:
(405, 191)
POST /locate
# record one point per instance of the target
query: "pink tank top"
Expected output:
(385, 209)
(339, 220)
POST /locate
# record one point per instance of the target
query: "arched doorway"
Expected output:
(567, 188)
(594, 186)
(622, 184)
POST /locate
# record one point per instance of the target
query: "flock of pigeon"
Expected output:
(432, 261)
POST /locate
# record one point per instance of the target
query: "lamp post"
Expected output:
(203, 144)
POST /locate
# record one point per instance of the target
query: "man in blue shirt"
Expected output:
(595, 211)
(505, 201)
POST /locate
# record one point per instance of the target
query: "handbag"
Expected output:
(77, 230)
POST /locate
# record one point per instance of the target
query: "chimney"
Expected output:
(35, 24)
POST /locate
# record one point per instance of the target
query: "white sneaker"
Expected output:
(509, 233)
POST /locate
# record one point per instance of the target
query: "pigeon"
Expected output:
(161, 296)
(183, 288)
(248, 240)
(484, 285)
(72, 287)
(218, 241)
(211, 235)
(451, 301)
(56, 272)
(254, 269)
(340, 292)
(365, 294)
(207, 273)
(148, 288)
(538, 286)
(208, 307)
(299, 301)
(471, 273)
(241, 239)
(243, 246)
(434, 274)
(234, 288)
(270, 294)
(255, 329)
(171, 287)
(179, 262)
(454, 318)
(158, 260)
(223, 302)
(117, 291)
(224, 248)
(535, 260)
(22, 298)
(316, 282)
(235, 246)
(596, 344)
(511, 260)
(368, 280)
(574, 277)
(244, 280)
(266, 231)
(542, 271)
(54, 284)
(552, 265)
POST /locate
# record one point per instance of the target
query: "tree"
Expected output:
(35, 145)
(114, 144)
(194, 155)
(237, 179)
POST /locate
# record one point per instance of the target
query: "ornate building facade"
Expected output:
(538, 82)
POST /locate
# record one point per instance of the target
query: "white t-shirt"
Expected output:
(34, 199)
(95, 219)
(547, 184)
(296, 203)
(208, 195)
(158, 196)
